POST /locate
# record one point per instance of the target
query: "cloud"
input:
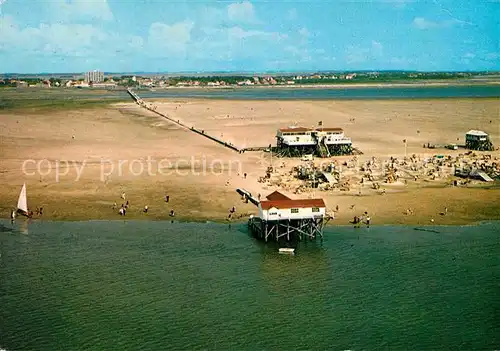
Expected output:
(80, 10)
(211, 37)
(212, 16)
(292, 14)
(400, 3)
(454, 19)
(227, 44)
(356, 54)
(239, 33)
(422, 23)
(402, 62)
(304, 32)
(1, 3)
(482, 56)
(242, 12)
(377, 48)
(493, 56)
(300, 48)
(360, 54)
(298, 54)
(61, 41)
(167, 40)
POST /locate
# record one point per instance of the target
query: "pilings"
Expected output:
(479, 145)
(288, 229)
(319, 150)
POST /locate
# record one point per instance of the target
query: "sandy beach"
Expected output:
(78, 162)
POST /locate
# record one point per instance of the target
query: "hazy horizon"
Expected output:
(248, 36)
(249, 73)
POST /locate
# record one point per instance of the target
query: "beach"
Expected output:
(77, 162)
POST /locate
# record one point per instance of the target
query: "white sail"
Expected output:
(22, 203)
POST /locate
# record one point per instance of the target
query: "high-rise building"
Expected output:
(94, 77)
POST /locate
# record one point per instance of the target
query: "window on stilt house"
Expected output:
(294, 210)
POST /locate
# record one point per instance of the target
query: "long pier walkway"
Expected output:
(152, 108)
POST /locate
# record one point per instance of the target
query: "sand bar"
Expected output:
(201, 177)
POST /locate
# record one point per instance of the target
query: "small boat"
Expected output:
(22, 202)
(286, 250)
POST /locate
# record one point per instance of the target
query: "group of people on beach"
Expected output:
(124, 207)
(364, 218)
(231, 212)
(29, 214)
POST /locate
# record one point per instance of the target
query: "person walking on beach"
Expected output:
(12, 215)
(146, 209)
(355, 221)
(167, 198)
(368, 221)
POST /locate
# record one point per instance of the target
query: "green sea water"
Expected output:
(125, 285)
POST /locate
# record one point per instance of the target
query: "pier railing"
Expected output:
(143, 104)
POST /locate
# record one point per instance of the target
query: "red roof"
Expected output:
(329, 129)
(296, 129)
(286, 204)
(276, 195)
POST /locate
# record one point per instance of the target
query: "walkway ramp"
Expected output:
(484, 176)
(330, 178)
(248, 195)
(141, 103)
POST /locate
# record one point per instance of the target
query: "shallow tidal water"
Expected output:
(126, 285)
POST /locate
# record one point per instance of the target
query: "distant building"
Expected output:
(325, 142)
(104, 85)
(478, 140)
(94, 77)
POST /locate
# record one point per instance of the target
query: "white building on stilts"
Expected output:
(322, 142)
(282, 217)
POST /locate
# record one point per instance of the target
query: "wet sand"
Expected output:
(201, 177)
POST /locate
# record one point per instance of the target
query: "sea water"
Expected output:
(137, 285)
(310, 93)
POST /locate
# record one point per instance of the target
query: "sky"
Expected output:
(59, 36)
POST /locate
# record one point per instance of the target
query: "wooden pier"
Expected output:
(152, 108)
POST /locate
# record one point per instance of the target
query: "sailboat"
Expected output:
(22, 202)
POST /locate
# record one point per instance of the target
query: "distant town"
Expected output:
(98, 79)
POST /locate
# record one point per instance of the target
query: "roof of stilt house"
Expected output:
(327, 129)
(286, 204)
(303, 129)
(276, 195)
(476, 133)
(294, 129)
